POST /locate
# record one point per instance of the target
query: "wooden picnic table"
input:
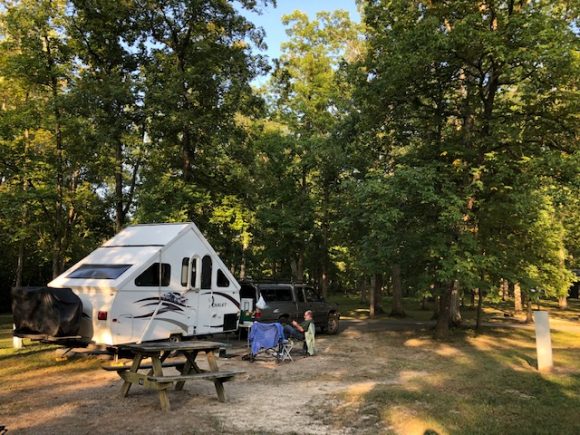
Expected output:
(189, 370)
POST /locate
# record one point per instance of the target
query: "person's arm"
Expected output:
(297, 326)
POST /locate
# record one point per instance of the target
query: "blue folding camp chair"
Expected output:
(268, 338)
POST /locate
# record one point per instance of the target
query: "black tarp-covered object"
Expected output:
(55, 312)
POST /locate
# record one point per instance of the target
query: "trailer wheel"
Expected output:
(175, 338)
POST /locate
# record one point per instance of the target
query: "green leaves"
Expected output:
(459, 106)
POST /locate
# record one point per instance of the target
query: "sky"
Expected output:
(271, 18)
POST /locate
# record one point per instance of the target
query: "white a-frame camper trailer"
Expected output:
(153, 282)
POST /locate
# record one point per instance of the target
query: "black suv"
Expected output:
(288, 301)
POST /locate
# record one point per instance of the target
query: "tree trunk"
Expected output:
(363, 291)
(325, 238)
(529, 317)
(479, 309)
(472, 301)
(243, 265)
(19, 264)
(517, 298)
(119, 206)
(436, 307)
(455, 312)
(442, 326)
(504, 289)
(24, 222)
(397, 309)
(373, 296)
(57, 246)
(562, 302)
(297, 266)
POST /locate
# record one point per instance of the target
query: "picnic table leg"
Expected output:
(190, 366)
(158, 371)
(134, 367)
(163, 357)
(219, 385)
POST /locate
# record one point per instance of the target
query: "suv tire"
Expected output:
(332, 324)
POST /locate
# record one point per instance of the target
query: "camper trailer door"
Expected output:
(192, 277)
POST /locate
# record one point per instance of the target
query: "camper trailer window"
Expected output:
(222, 281)
(184, 271)
(150, 278)
(99, 271)
(194, 261)
(206, 272)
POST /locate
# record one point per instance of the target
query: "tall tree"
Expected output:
(37, 58)
(198, 75)
(106, 91)
(310, 101)
(456, 94)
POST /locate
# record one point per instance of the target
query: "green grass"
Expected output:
(34, 356)
(472, 384)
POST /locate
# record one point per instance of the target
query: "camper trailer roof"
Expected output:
(107, 266)
(122, 255)
(115, 262)
(146, 235)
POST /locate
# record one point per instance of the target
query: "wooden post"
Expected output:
(543, 341)
(16, 341)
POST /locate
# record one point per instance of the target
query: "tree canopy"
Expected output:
(431, 149)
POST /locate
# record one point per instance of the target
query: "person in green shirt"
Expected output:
(297, 330)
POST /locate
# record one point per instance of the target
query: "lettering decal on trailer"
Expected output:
(224, 295)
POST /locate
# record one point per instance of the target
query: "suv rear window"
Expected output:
(277, 294)
(311, 295)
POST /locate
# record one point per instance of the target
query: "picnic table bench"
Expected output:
(155, 379)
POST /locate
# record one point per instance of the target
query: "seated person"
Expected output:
(297, 330)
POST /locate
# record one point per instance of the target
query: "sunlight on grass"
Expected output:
(355, 392)
(417, 342)
(22, 366)
(484, 383)
(449, 351)
(404, 421)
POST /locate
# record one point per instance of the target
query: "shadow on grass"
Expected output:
(26, 352)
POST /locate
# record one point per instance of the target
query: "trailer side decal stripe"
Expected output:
(164, 304)
(175, 322)
(166, 298)
(161, 311)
